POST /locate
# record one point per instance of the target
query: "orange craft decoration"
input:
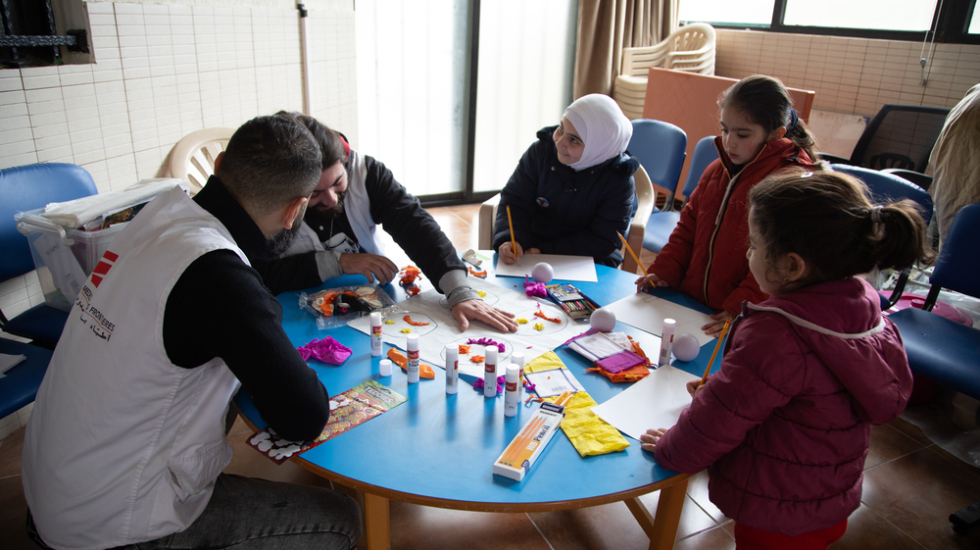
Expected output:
(631, 374)
(477, 273)
(411, 273)
(638, 350)
(412, 290)
(408, 319)
(464, 349)
(425, 371)
(541, 314)
(477, 358)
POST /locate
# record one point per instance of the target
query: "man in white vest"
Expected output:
(126, 442)
(340, 235)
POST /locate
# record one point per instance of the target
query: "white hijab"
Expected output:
(603, 127)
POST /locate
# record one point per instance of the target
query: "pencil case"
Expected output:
(575, 303)
(525, 449)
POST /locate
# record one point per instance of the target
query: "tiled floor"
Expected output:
(910, 487)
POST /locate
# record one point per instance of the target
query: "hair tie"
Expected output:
(793, 120)
(876, 214)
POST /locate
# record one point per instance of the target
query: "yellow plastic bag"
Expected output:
(589, 434)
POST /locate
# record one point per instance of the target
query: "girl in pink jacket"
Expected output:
(784, 426)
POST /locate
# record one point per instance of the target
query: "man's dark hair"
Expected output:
(269, 161)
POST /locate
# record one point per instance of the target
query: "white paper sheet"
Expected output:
(442, 330)
(647, 312)
(654, 402)
(569, 268)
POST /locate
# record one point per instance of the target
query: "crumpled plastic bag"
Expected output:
(589, 434)
(325, 349)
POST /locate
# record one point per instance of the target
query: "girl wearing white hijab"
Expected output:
(573, 189)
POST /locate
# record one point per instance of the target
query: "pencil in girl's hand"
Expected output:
(628, 249)
(721, 338)
(513, 242)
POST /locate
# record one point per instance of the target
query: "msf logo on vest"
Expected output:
(90, 315)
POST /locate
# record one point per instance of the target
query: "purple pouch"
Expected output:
(620, 362)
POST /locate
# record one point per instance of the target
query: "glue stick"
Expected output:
(518, 359)
(666, 342)
(511, 399)
(384, 369)
(452, 368)
(490, 372)
(375, 334)
(413, 358)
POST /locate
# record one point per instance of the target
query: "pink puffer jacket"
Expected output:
(786, 423)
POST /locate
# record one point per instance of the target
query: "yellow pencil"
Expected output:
(630, 250)
(721, 338)
(510, 222)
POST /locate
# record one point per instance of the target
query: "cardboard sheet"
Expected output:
(568, 268)
(654, 402)
(647, 312)
(442, 330)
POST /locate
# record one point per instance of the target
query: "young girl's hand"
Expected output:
(714, 328)
(648, 441)
(508, 254)
(650, 280)
(694, 386)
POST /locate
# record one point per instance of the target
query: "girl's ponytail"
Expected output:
(826, 218)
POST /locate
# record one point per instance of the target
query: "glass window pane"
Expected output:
(975, 21)
(893, 15)
(748, 12)
(411, 67)
(525, 80)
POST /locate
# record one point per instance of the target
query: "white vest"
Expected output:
(123, 446)
(357, 205)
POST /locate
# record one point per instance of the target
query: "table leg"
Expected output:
(377, 526)
(662, 530)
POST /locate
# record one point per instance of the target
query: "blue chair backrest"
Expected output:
(704, 154)
(958, 266)
(24, 188)
(660, 148)
(887, 187)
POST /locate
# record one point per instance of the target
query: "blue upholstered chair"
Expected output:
(940, 349)
(661, 224)
(24, 188)
(19, 387)
(889, 187)
(660, 149)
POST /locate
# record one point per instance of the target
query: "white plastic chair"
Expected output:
(690, 48)
(192, 158)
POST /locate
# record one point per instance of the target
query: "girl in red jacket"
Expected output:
(705, 255)
(784, 426)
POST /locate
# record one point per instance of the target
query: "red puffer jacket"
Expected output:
(786, 423)
(705, 256)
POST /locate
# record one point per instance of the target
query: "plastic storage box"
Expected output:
(64, 258)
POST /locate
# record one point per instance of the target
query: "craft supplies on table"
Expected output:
(452, 369)
(666, 341)
(347, 410)
(572, 300)
(524, 450)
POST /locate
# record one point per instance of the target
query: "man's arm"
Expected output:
(220, 308)
(414, 229)
(293, 272)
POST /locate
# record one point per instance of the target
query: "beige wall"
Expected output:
(851, 76)
(163, 71)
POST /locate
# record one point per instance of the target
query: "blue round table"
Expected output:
(438, 449)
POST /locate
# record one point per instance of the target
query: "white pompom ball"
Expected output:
(603, 320)
(686, 347)
(542, 273)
